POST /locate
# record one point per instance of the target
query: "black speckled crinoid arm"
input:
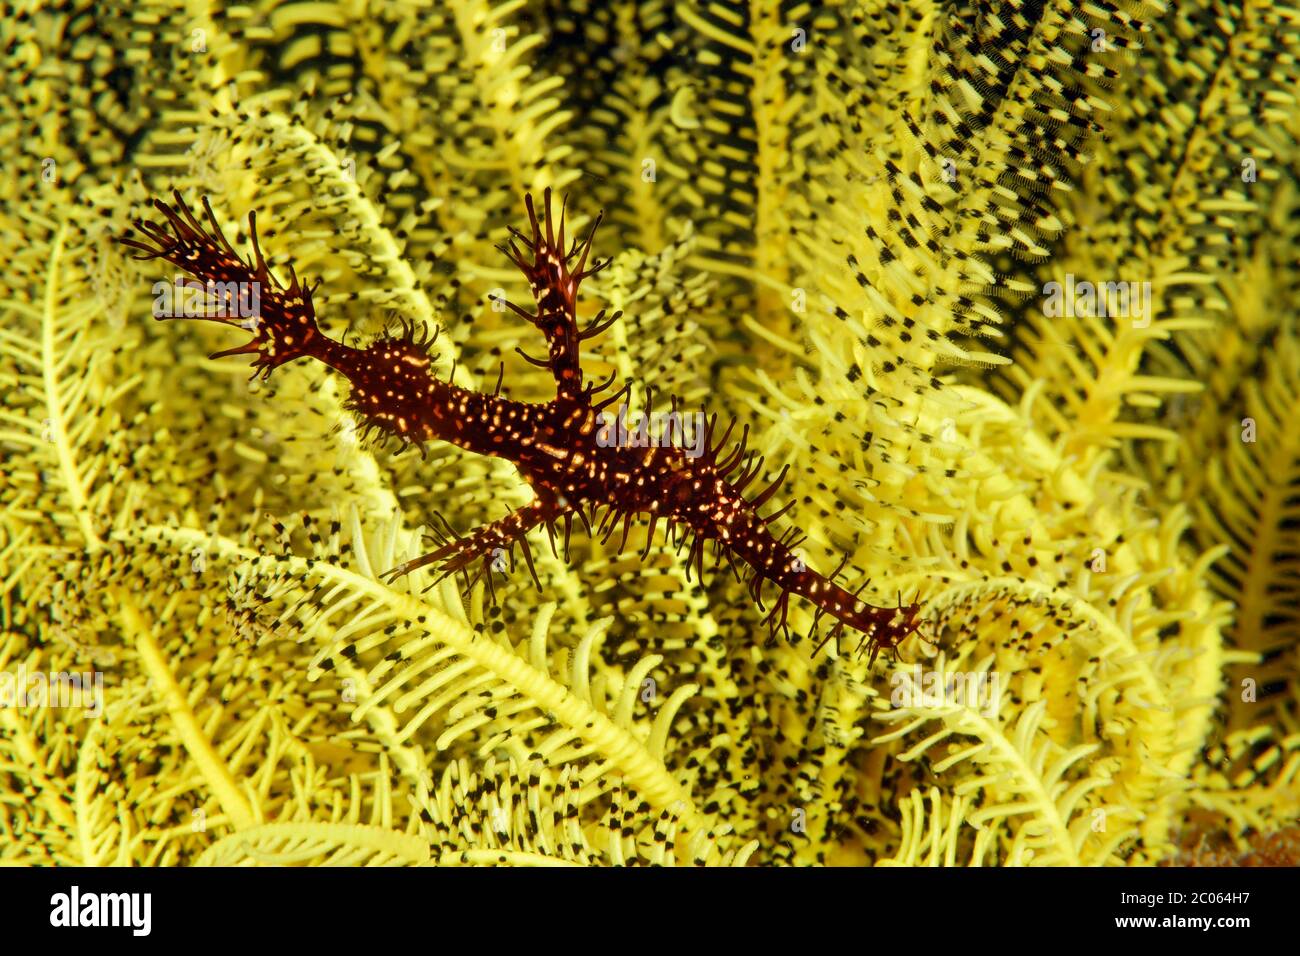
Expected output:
(554, 445)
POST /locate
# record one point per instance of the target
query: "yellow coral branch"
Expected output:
(218, 776)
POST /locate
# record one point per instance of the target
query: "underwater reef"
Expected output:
(1006, 295)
